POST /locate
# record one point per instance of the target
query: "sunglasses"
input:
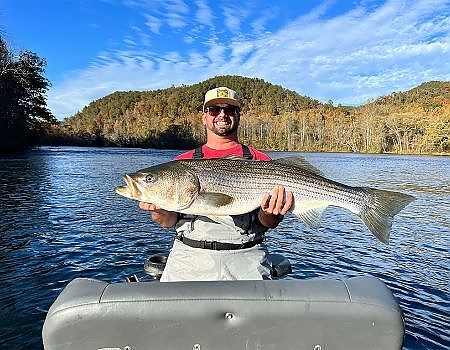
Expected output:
(228, 110)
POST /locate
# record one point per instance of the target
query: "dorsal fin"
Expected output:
(300, 163)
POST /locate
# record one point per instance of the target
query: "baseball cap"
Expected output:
(221, 95)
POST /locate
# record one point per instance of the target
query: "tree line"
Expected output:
(24, 114)
(170, 118)
(273, 118)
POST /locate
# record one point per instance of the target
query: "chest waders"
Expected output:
(246, 223)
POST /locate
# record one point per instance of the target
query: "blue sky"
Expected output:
(344, 51)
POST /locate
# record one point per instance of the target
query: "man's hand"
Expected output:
(162, 217)
(274, 205)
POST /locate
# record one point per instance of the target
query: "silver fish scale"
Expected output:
(247, 181)
(233, 187)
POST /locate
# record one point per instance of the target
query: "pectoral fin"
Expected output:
(214, 199)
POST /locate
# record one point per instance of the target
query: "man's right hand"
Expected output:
(162, 217)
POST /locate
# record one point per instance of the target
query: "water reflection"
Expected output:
(60, 219)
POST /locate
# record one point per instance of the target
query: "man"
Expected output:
(226, 247)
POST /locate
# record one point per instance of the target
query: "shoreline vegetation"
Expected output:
(273, 118)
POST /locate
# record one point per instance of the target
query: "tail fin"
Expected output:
(379, 213)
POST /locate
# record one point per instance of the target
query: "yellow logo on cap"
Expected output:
(222, 93)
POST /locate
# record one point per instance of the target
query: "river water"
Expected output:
(60, 219)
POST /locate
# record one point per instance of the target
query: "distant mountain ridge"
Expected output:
(169, 118)
(423, 93)
(189, 98)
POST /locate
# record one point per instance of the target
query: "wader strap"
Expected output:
(198, 153)
(246, 154)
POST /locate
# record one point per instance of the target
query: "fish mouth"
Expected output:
(132, 185)
(130, 190)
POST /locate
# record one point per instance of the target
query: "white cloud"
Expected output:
(348, 58)
(217, 54)
(204, 13)
(154, 23)
(176, 6)
(176, 12)
(311, 59)
(197, 60)
(258, 24)
(175, 20)
(240, 52)
(231, 18)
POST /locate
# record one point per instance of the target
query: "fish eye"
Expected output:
(150, 178)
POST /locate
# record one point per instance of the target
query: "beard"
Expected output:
(225, 128)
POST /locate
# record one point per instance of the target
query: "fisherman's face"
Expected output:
(221, 119)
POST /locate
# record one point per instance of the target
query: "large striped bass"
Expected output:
(225, 186)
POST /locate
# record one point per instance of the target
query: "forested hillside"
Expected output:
(415, 121)
(273, 118)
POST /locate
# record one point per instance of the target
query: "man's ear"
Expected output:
(204, 118)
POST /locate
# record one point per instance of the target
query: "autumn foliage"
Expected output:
(273, 118)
